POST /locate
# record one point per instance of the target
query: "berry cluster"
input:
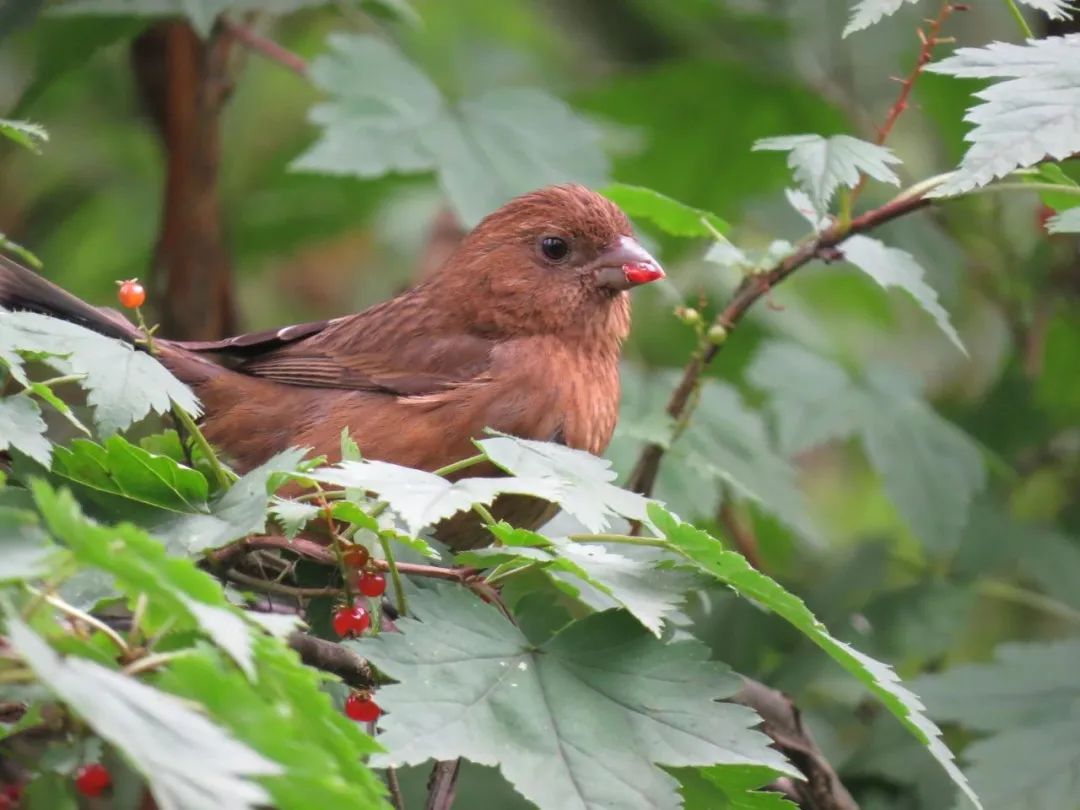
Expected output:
(352, 620)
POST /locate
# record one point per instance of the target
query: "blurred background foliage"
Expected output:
(677, 92)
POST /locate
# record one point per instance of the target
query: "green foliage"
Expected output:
(24, 133)
(1025, 701)
(200, 13)
(1031, 114)
(823, 165)
(669, 215)
(486, 149)
(473, 685)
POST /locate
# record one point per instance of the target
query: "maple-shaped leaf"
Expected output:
(821, 165)
(485, 149)
(1032, 113)
(579, 722)
(867, 12)
(930, 468)
(421, 498)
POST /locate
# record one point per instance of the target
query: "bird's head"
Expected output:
(559, 259)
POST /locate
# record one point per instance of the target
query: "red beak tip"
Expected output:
(642, 273)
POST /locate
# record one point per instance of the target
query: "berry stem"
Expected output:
(395, 576)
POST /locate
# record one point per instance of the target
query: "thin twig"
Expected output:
(277, 587)
(265, 47)
(397, 798)
(741, 535)
(821, 246)
(443, 785)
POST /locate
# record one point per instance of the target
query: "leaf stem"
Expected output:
(625, 539)
(463, 464)
(1018, 15)
(82, 616)
(993, 188)
(1005, 591)
(395, 575)
(485, 514)
(224, 479)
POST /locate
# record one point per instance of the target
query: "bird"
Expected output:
(520, 331)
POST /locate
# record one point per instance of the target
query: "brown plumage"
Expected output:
(508, 335)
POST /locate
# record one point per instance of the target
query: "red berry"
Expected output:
(371, 584)
(13, 793)
(362, 708)
(92, 780)
(131, 294)
(356, 556)
(351, 620)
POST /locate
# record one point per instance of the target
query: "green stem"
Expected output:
(1036, 601)
(57, 381)
(85, 618)
(223, 477)
(485, 514)
(1071, 191)
(395, 576)
(1018, 15)
(625, 539)
(149, 662)
(465, 463)
(17, 675)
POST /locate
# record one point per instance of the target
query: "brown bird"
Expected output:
(520, 331)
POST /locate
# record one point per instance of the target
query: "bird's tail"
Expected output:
(23, 289)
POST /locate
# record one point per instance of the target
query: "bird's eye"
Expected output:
(554, 248)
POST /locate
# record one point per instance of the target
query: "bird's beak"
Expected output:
(626, 264)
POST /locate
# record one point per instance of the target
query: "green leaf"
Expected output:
(731, 568)
(726, 444)
(241, 511)
(868, 12)
(123, 385)
(821, 165)
(163, 737)
(43, 391)
(577, 723)
(892, 267)
(52, 790)
(289, 720)
(930, 468)
(1066, 222)
(174, 586)
(729, 787)
(200, 13)
(1032, 113)
(24, 549)
(293, 515)
(669, 215)
(581, 484)
(121, 469)
(22, 428)
(1029, 698)
(1054, 9)
(32, 136)
(420, 498)
(485, 150)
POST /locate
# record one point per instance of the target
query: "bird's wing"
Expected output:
(255, 343)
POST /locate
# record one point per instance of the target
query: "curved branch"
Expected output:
(821, 246)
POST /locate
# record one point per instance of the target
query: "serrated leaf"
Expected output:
(731, 568)
(1027, 696)
(892, 267)
(729, 787)
(1030, 114)
(485, 150)
(930, 468)
(821, 165)
(1066, 222)
(163, 737)
(582, 483)
(123, 385)
(24, 133)
(201, 13)
(288, 719)
(139, 565)
(123, 470)
(671, 216)
(43, 391)
(293, 515)
(22, 428)
(422, 499)
(577, 723)
(1054, 9)
(241, 511)
(868, 12)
